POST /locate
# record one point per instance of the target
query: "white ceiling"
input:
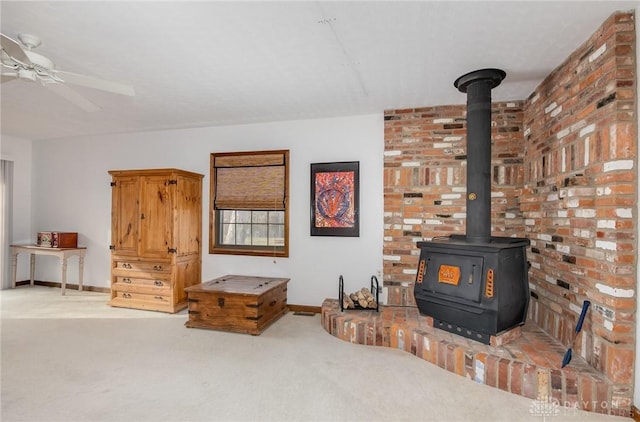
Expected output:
(219, 63)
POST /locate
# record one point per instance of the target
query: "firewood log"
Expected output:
(347, 303)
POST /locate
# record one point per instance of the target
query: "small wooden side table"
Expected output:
(62, 253)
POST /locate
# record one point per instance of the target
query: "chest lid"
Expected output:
(239, 284)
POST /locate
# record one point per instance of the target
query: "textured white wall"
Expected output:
(71, 193)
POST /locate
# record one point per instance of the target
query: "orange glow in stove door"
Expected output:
(449, 274)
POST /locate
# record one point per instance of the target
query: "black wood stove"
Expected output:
(475, 285)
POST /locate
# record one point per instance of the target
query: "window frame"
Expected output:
(216, 220)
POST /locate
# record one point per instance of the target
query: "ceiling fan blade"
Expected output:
(14, 50)
(95, 83)
(72, 96)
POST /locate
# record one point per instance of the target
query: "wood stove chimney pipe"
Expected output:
(478, 85)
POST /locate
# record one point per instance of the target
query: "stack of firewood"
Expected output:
(363, 297)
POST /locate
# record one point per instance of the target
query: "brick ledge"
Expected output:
(528, 366)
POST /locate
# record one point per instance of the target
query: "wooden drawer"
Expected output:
(237, 303)
(154, 298)
(132, 269)
(143, 266)
(151, 302)
(142, 285)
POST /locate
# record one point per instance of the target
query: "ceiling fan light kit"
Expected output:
(30, 41)
(24, 64)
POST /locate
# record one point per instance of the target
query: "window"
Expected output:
(249, 210)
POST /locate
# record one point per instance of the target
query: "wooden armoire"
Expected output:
(156, 232)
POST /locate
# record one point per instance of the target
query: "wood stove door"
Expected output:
(454, 276)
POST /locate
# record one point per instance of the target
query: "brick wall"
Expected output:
(564, 165)
(579, 200)
(425, 183)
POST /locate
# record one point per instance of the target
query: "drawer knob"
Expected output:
(159, 297)
(157, 267)
(126, 265)
(158, 283)
(221, 302)
(126, 295)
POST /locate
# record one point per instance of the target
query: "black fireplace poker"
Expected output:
(478, 85)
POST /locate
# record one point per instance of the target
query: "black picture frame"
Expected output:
(335, 199)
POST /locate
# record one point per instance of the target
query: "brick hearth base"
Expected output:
(528, 365)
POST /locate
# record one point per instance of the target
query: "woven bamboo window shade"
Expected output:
(255, 181)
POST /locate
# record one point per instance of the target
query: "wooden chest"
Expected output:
(237, 303)
(57, 239)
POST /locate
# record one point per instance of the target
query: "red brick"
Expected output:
(530, 382)
(621, 398)
(557, 389)
(451, 358)
(491, 371)
(459, 359)
(430, 350)
(586, 393)
(534, 354)
(620, 364)
(503, 374)
(385, 337)
(505, 337)
(544, 383)
(442, 354)
(416, 343)
(571, 387)
(334, 325)
(379, 333)
(361, 329)
(370, 334)
(602, 398)
(469, 368)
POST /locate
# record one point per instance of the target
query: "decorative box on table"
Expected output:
(57, 239)
(237, 303)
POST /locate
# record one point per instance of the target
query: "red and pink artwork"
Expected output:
(335, 199)
(335, 205)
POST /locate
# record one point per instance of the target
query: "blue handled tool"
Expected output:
(567, 355)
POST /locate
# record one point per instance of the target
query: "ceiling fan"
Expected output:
(18, 61)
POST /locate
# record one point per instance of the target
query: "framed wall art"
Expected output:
(335, 199)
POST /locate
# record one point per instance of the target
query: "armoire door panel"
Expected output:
(156, 216)
(189, 220)
(124, 215)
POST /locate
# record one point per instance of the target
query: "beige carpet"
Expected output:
(74, 358)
